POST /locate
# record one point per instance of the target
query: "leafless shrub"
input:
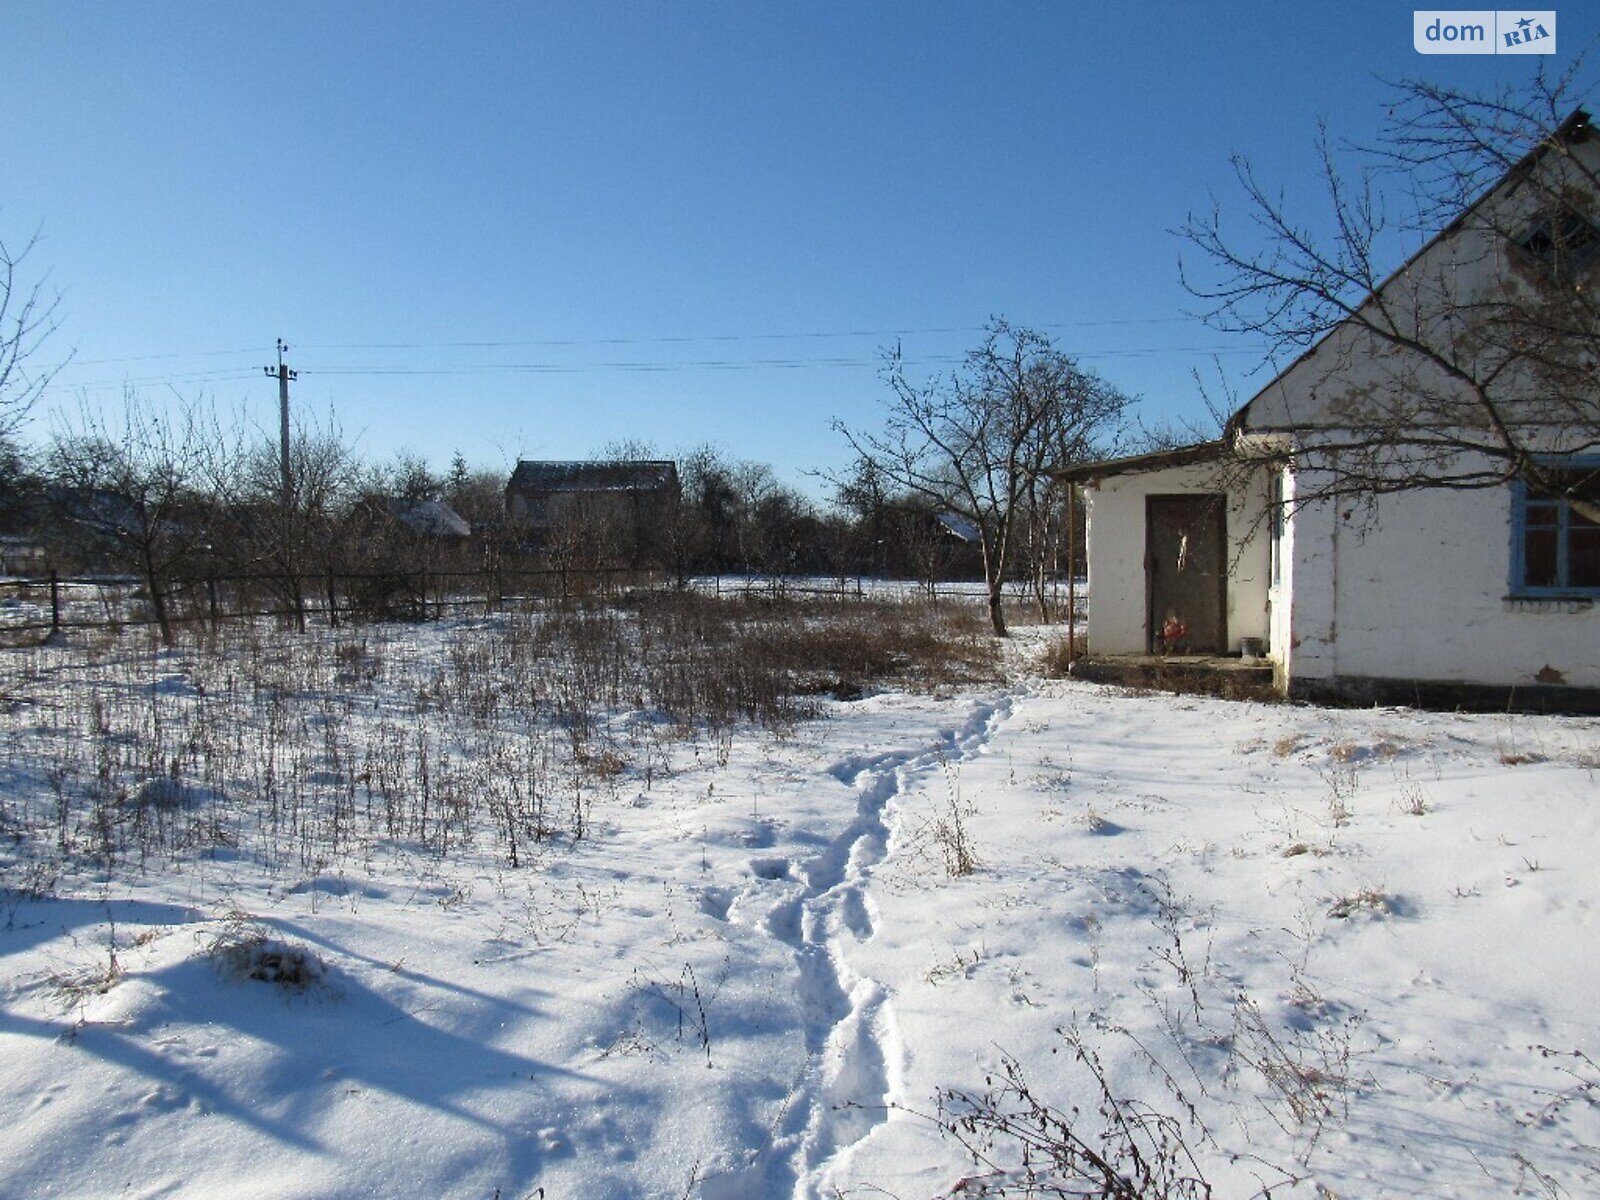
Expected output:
(1171, 916)
(687, 1003)
(77, 986)
(1356, 752)
(959, 964)
(1307, 1068)
(950, 829)
(1371, 900)
(1029, 1147)
(305, 749)
(1580, 1084)
(1413, 800)
(249, 949)
(1295, 849)
(1059, 656)
(1343, 782)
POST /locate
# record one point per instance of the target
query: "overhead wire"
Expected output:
(378, 370)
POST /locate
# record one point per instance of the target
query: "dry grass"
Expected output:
(305, 750)
(249, 949)
(1370, 901)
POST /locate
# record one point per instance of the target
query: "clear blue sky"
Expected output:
(525, 229)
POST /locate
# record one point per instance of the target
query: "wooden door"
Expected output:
(1186, 569)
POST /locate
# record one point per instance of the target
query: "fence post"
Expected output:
(333, 603)
(55, 602)
(211, 598)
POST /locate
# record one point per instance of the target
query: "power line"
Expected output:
(662, 339)
(680, 339)
(226, 375)
(100, 362)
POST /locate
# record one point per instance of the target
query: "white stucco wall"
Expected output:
(1417, 589)
(1280, 594)
(1116, 536)
(1416, 586)
(1354, 378)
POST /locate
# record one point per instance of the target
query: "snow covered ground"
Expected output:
(1358, 948)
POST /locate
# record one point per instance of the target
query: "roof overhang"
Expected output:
(1159, 460)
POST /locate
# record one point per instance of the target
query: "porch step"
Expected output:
(1222, 675)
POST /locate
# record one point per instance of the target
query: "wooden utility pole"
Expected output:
(284, 375)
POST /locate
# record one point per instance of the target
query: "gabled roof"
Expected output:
(1574, 128)
(643, 475)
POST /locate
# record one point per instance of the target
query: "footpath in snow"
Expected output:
(1360, 947)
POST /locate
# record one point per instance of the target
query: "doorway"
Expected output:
(1186, 559)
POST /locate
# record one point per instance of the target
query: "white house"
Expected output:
(1447, 578)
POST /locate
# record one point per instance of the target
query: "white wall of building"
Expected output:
(1116, 525)
(1417, 587)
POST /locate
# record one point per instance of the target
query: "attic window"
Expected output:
(1563, 242)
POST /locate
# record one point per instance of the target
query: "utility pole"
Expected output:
(284, 375)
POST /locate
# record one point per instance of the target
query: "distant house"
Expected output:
(394, 524)
(429, 518)
(958, 527)
(21, 555)
(1483, 593)
(606, 513)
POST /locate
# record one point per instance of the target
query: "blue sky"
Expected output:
(529, 229)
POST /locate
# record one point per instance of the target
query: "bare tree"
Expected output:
(704, 529)
(289, 546)
(1477, 357)
(134, 490)
(27, 318)
(977, 444)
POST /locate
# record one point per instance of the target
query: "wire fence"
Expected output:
(50, 604)
(53, 603)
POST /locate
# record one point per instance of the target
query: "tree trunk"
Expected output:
(997, 616)
(994, 575)
(158, 604)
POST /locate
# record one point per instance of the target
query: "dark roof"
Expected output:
(647, 475)
(958, 526)
(1158, 460)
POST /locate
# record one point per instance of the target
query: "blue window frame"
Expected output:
(1555, 551)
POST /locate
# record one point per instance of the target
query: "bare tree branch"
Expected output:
(976, 444)
(1476, 358)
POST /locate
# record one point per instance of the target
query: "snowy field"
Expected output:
(262, 934)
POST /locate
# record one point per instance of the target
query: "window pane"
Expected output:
(1539, 558)
(1541, 516)
(1583, 556)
